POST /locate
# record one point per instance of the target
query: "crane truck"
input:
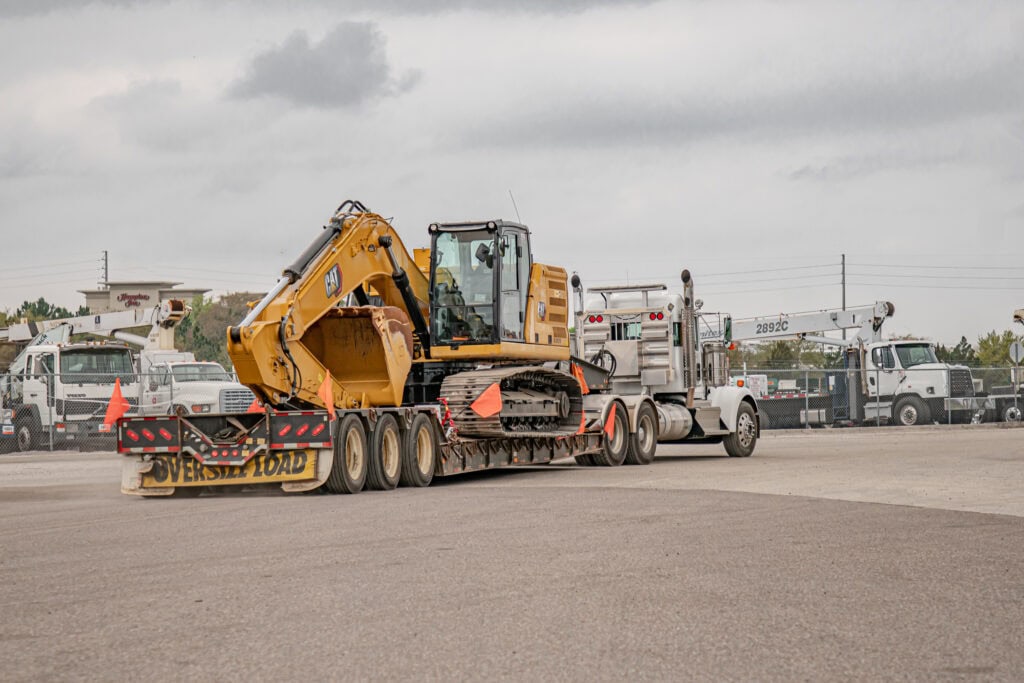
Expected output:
(675, 384)
(898, 381)
(57, 390)
(464, 365)
(1009, 399)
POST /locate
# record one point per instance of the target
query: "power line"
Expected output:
(897, 265)
(48, 265)
(770, 270)
(940, 277)
(766, 289)
(906, 286)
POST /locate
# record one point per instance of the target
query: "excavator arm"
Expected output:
(301, 330)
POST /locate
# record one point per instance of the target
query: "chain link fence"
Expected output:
(55, 411)
(815, 397)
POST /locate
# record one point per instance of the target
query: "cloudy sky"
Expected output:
(751, 142)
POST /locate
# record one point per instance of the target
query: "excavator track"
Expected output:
(535, 402)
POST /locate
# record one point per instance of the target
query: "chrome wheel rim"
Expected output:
(745, 429)
(908, 415)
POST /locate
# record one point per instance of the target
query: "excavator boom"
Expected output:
(301, 330)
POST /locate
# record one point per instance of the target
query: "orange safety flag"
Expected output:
(489, 402)
(117, 407)
(326, 394)
(577, 372)
(255, 406)
(609, 422)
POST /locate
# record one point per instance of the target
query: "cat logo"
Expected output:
(332, 281)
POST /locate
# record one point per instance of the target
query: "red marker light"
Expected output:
(600, 319)
(653, 317)
(302, 430)
(164, 433)
(284, 430)
(318, 429)
(661, 316)
(131, 434)
(592, 319)
(148, 434)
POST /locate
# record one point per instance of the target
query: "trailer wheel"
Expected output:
(584, 460)
(644, 442)
(740, 444)
(419, 453)
(613, 453)
(910, 410)
(385, 455)
(348, 471)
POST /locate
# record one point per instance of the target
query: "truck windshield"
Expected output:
(96, 366)
(915, 354)
(200, 373)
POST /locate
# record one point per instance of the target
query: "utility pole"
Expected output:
(106, 267)
(844, 289)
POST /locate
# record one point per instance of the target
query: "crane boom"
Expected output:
(867, 320)
(161, 318)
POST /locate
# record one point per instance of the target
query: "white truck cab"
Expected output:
(193, 388)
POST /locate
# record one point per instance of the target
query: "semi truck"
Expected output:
(649, 340)
(897, 381)
(464, 365)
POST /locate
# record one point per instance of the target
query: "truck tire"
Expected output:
(740, 444)
(25, 435)
(613, 453)
(911, 410)
(385, 466)
(419, 453)
(1011, 413)
(644, 442)
(584, 460)
(348, 471)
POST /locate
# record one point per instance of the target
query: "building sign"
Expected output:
(132, 300)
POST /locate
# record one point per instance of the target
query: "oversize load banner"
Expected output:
(170, 470)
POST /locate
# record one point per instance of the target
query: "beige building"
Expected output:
(125, 296)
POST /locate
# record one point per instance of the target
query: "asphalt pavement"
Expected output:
(830, 554)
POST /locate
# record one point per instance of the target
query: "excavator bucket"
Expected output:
(367, 349)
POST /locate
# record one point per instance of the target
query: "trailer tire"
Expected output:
(584, 460)
(385, 466)
(187, 492)
(644, 442)
(911, 410)
(348, 471)
(613, 452)
(740, 444)
(419, 453)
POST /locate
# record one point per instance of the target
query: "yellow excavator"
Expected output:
(447, 361)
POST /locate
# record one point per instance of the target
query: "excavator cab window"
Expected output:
(479, 283)
(462, 298)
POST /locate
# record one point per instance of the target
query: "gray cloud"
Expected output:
(23, 8)
(835, 107)
(347, 68)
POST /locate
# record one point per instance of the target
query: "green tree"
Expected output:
(994, 349)
(41, 309)
(961, 354)
(204, 331)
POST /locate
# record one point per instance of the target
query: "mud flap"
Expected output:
(324, 462)
(132, 470)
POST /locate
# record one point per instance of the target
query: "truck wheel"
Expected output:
(613, 453)
(740, 444)
(910, 410)
(385, 455)
(644, 442)
(419, 453)
(348, 472)
(26, 436)
(1011, 413)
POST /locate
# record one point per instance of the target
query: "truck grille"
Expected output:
(960, 383)
(235, 400)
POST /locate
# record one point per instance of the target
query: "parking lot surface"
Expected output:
(831, 554)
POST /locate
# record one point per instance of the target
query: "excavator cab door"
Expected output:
(479, 277)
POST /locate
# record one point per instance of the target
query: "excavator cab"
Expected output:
(479, 283)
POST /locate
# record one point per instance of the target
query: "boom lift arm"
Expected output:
(300, 331)
(868, 321)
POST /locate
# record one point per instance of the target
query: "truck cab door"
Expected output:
(34, 386)
(156, 388)
(882, 379)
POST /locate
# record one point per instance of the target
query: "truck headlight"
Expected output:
(202, 408)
